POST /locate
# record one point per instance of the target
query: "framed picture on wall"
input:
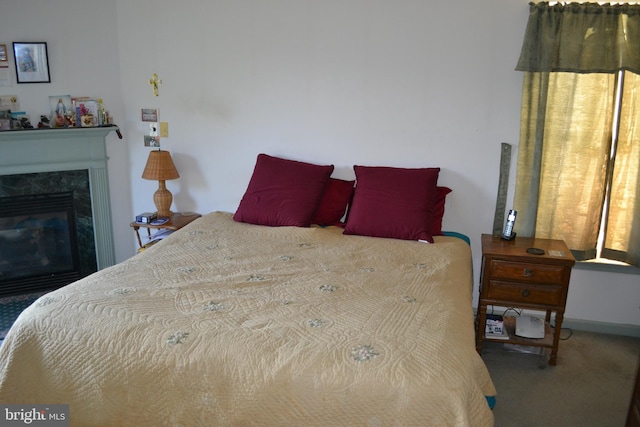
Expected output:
(32, 62)
(149, 114)
(3, 52)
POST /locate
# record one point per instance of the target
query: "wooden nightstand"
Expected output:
(512, 277)
(176, 222)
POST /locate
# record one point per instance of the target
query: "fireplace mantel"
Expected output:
(51, 150)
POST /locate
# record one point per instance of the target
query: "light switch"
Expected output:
(153, 129)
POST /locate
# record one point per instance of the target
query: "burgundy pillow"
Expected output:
(333, 205)
(438, 209)
(283, 192)
(393, 202)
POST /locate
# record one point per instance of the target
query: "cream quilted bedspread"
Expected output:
(225, 323)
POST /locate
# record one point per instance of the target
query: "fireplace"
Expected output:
(35, 166)
(38, 243)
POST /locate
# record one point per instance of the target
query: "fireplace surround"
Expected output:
(41, 151)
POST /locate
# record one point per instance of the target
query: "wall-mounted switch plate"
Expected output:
(164, 129)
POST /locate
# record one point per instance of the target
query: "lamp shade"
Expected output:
(160, 166)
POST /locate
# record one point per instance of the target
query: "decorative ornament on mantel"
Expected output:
(155, 83)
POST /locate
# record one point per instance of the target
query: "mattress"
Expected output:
(226, 323)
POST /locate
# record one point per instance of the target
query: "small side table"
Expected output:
(512, 277)
(176, 222)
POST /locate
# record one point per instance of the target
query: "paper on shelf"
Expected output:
(160, 234)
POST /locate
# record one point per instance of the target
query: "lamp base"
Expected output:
(163, 199)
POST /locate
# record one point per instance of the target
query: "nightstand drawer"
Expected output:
(525, 293)
(529, 272)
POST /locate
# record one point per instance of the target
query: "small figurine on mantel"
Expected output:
(25, 123)
(44, 122)
(70, 119)
(60, 121)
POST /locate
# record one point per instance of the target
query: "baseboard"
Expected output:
(602, 327)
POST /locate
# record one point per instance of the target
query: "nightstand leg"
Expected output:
(138, 235)
(556, 339)
(482, 319)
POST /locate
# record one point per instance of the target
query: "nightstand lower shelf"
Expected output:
(510, 327)
(176, 222)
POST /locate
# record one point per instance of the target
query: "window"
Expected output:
(578, 175)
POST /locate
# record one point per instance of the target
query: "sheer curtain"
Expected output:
(572, 56)
(622, 236)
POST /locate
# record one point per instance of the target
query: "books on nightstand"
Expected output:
(494, 327)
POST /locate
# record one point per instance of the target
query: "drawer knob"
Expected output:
(527, 272)
(526, 293)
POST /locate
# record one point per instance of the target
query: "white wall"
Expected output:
(397, 83)
(83, 60)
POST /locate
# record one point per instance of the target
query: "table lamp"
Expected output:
(160, 167)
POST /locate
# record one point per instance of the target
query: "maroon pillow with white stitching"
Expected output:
(283, 192)
(393, 202)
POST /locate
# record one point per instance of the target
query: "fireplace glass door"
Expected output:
(38, 243)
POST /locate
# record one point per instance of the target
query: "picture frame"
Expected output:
(3, 53)
(149, 114)
(32, 62)
(151, 141)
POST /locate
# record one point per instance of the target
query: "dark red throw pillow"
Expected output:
(438, 209)
(283, 192)
(333, 205)
(393, 202)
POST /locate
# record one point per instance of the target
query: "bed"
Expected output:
(227, 322)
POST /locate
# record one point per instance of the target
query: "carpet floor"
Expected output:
(590, 386)
(10, 309)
